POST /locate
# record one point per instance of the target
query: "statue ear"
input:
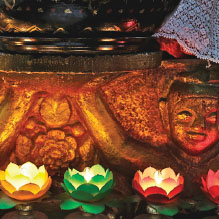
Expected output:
(163, 106)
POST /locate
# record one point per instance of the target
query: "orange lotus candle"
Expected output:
(211, 186)
(158, 186)
(26, 182)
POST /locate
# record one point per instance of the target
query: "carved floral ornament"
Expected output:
(51, 139)
(55, 149)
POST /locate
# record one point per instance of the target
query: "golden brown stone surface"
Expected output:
(55, 111)
(167, 116)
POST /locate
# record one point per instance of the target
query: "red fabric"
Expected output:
(172, 47)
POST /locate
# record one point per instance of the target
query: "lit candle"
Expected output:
(88, 174)
(158, 177)
(211, 186)
(158, 186)
(92, 184)
(26, 182)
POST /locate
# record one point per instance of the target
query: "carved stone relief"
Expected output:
(177, 114)
(190, 114)
(131, 120)
(53, 135)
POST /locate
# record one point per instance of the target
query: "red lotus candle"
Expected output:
(158, 186)
(211, 186)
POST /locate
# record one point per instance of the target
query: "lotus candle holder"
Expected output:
(21, 185)
(210, 186)
(160, 188)
(87, 189)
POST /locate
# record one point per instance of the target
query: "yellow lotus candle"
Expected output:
(26, 182)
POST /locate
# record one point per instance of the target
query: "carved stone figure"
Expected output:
(126, 120)
(190, 116)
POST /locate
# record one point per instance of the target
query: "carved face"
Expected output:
(194, 124)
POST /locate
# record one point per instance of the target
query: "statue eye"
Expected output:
(184, 115)
(212, 117)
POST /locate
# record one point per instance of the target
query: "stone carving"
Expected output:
(127, 120)
(48, 138)
(33, 127)
(55, 111)
(24, 147)
(55, 150)
(133, 98)
(190, 116)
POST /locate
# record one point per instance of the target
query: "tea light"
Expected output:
(158, 186)
(211, 186)
(25, 182)
(90, 185)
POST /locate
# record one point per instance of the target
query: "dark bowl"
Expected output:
(81, 26)
(82, 17)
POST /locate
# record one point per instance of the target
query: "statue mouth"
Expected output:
(196, 136)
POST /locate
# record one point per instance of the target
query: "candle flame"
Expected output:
(158, 177)
(88, 174)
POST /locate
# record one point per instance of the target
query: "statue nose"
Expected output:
(198, 123)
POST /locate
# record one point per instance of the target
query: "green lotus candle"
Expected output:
(87, 188)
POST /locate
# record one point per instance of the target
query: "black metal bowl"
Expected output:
(79, 17)
(81, 26)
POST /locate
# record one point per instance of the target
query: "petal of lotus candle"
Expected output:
(158, 186)
(26, 182)
(211, 186)
(90, 185)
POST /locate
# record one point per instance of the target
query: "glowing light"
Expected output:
(158, 177)
(105, 48)
(158, 186)
(121, 41)
(211, 186)
(88, 174)
(26, 182)
(29, 40)
(107, 40)
(92, 184)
